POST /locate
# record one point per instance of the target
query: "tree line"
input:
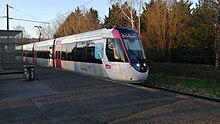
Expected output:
(171, 31)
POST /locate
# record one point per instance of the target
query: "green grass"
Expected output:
(188, 85)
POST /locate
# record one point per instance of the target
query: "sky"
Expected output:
(45, 11)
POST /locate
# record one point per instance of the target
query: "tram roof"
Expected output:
(85, 36)
(91, 35)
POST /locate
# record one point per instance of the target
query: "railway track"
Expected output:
(215, 99)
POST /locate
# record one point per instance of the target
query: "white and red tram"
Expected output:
(115, 53)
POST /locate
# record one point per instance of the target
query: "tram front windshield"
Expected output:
(135, 51)
(134, 47)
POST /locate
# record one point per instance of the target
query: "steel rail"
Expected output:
(180, 92)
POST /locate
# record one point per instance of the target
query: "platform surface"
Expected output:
(57, 96)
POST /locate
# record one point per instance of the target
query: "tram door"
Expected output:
(58, 54)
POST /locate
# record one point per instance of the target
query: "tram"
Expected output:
(115, 53)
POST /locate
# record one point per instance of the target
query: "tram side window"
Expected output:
(43, 52)
(38, 54)
(37, 51)
(81, 52)
(90, 52)
(71, 51)
(30, 53)
(114, 51)
(50, 52)
(47, 52)
(64, 53)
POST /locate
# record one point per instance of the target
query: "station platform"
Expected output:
(59, 96)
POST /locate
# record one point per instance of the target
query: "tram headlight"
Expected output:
(137, 66)
(141, 67)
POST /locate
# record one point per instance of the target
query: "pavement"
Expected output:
(57, 96)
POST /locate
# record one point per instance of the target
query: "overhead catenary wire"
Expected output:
(79, 6)
(29, 20)
(87, 3)
(25, 19)
(24, 13)
(37, 19)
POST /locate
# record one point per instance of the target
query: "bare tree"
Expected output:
(22, 28)
(139, 4)
(48, 31)
(79, 21)
(56, 23)
(133, 6)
